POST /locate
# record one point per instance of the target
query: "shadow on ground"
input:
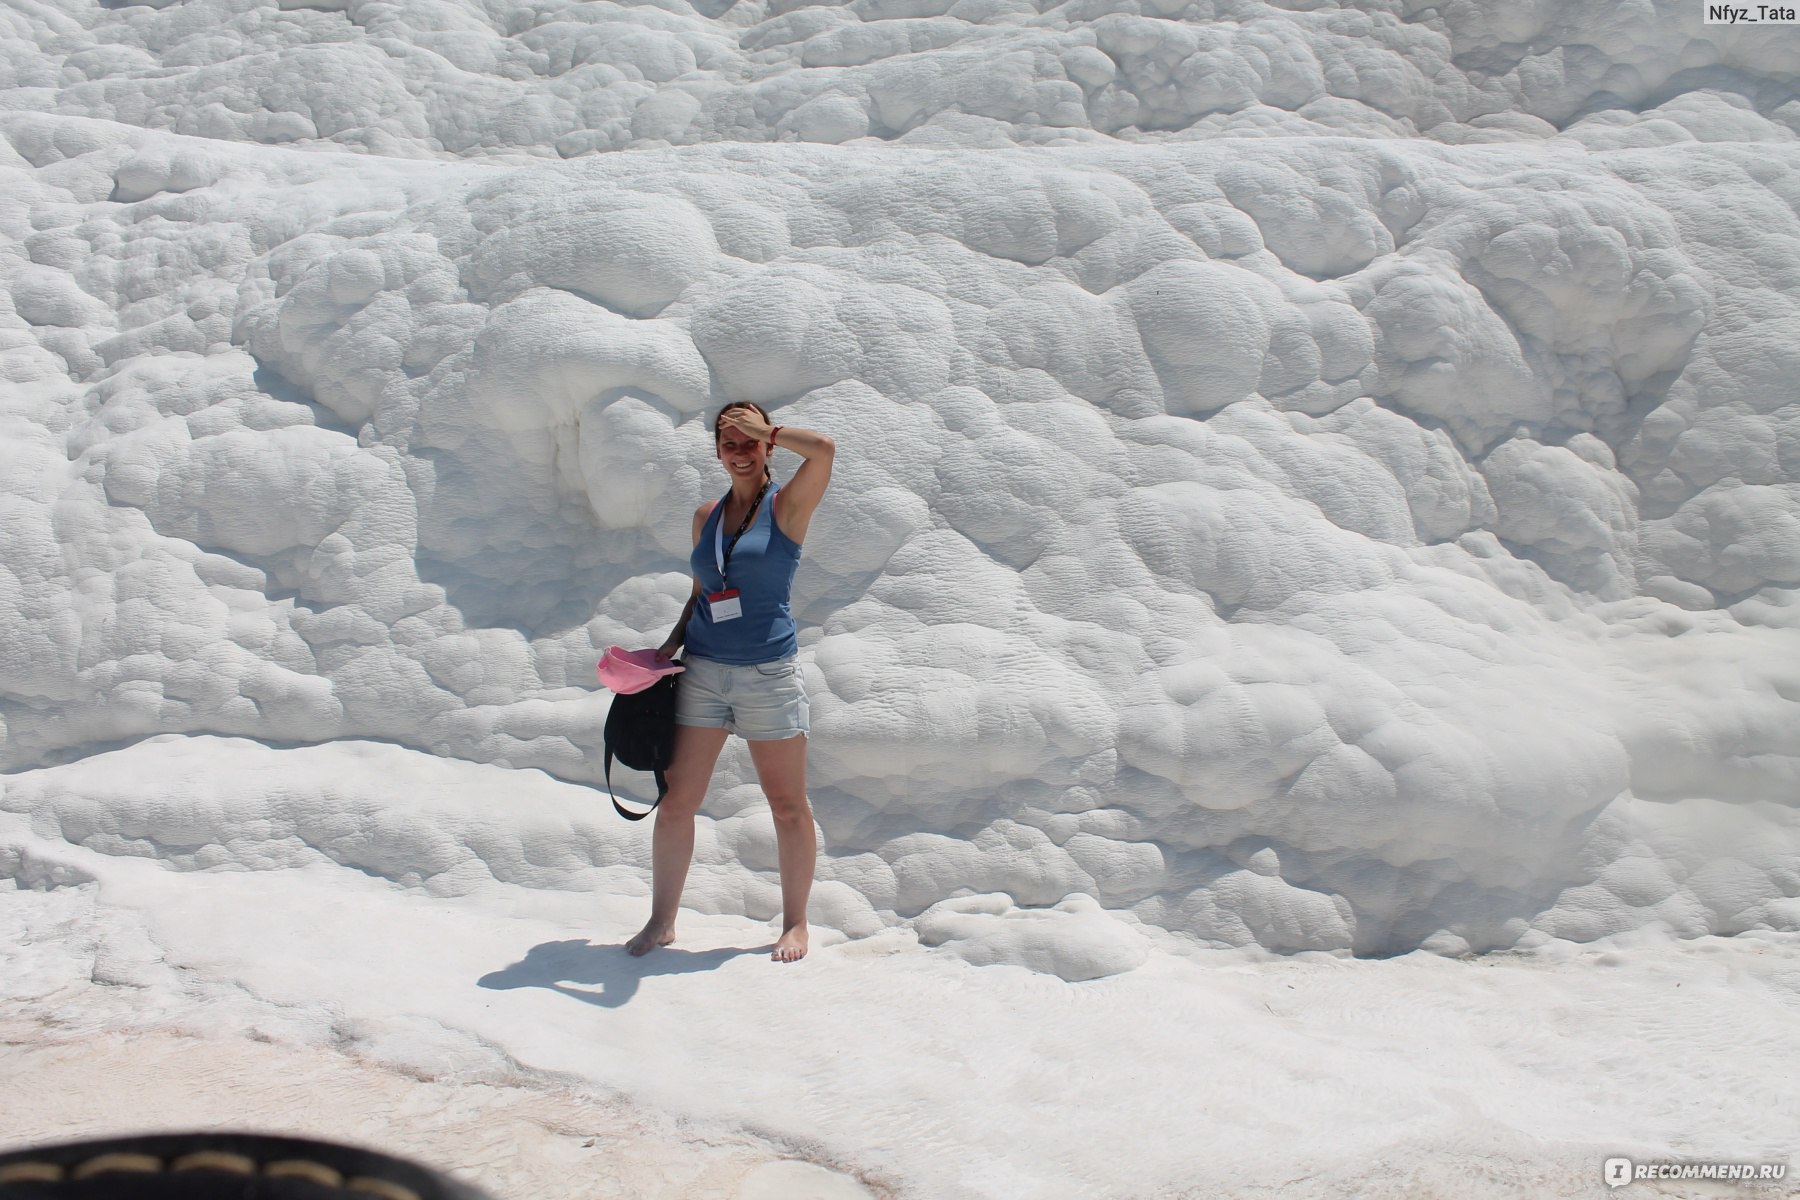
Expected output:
(604, 975)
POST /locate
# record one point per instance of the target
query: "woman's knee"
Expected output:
(680, 804)
(789, 807)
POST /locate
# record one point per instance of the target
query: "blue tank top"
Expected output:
(762, 569)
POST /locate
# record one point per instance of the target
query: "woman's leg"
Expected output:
(672, 845)
(781, 769)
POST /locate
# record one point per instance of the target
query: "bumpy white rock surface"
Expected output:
(1327, 480)
(572, 77)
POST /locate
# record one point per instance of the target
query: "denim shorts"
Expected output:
(765, 702)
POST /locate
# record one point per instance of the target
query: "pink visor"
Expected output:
(627, 671)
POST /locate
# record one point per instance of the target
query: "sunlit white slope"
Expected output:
(1198, 1073)
(571, 77)
(1313, 543)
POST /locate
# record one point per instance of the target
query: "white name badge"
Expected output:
(724, 606)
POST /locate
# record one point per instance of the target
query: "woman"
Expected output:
(742, 674)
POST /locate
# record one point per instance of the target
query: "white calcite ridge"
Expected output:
(1320, 480)
(562, 78)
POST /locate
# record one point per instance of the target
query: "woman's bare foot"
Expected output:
(792, 946)
(653, 935)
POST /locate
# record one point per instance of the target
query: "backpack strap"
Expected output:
(662, 789)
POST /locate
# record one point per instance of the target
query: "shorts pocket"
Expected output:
(776, 670)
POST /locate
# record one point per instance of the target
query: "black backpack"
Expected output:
(640, 732)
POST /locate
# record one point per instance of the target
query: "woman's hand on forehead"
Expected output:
(744, 421)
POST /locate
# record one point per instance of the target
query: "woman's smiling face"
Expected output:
(741, 454)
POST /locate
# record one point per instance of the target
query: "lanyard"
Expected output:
(721, 551)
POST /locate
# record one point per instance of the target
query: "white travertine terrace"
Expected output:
(1317, 479)
(1318, 500)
